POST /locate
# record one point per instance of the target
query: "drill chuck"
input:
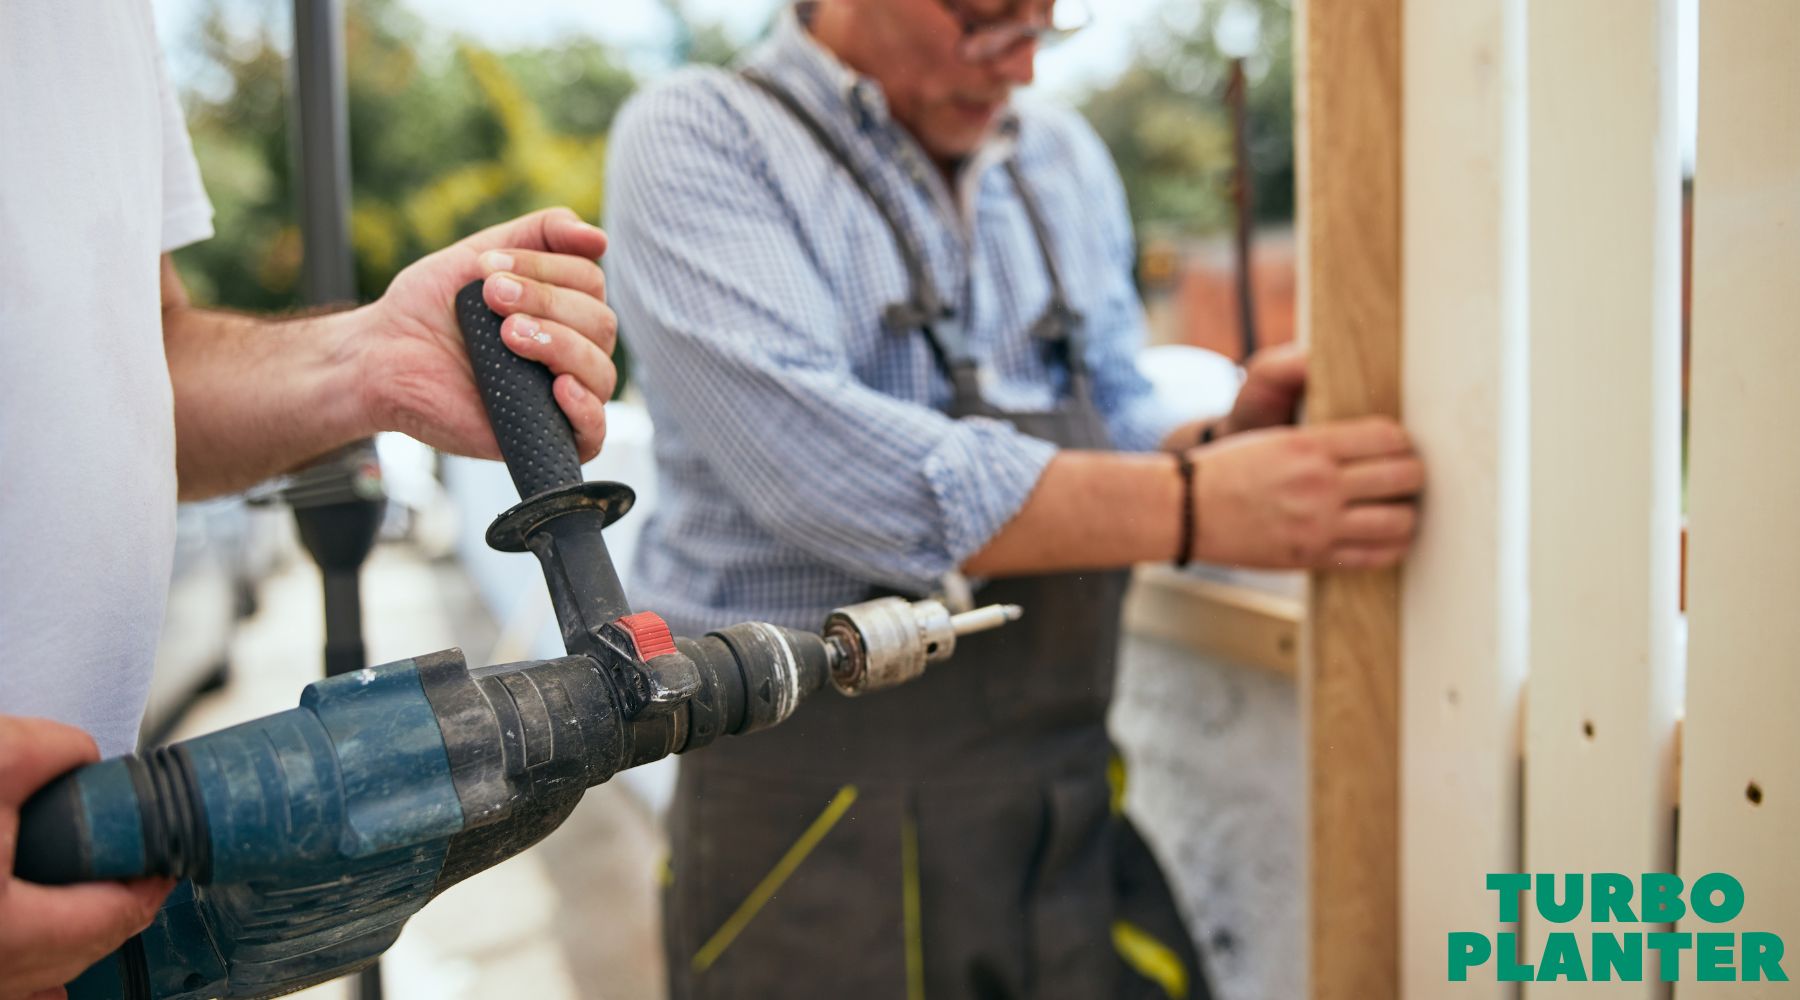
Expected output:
(889, 640)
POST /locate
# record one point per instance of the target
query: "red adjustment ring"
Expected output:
(649, 633)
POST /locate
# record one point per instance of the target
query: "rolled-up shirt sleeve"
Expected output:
(740, 343)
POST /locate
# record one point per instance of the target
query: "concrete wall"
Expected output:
(1215, 785)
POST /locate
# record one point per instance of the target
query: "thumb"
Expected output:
(557, 230)
(1282, 367)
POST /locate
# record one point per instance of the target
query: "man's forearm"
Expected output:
(256, 397)
(1090, 510)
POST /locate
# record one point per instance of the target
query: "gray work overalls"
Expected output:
(956, 837)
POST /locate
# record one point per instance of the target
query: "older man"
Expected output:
(886, 326)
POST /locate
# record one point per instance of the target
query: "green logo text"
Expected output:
(1628, 956)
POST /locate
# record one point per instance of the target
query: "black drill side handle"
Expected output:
(559, 517)
(535, 438)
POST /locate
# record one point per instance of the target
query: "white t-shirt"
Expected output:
(97, 180)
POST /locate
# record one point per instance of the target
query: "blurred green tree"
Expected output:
(445, 137)
(1169, 131)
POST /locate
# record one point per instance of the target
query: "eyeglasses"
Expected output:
(987, 39)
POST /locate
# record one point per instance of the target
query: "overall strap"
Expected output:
(925, 310)
(1060, 325)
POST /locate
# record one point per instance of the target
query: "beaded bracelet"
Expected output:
(1185, 466)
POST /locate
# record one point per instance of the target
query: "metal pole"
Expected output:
(1236, 97)
(340, 512)
(322, 159)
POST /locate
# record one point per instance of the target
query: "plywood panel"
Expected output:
(1463, 597)
(1349, 196)
(1740, 785)
(1603, 241)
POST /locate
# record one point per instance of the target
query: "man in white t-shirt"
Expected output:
(117, 397)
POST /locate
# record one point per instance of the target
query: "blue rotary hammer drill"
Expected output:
(306, 839)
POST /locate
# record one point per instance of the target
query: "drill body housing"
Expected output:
(310, 836)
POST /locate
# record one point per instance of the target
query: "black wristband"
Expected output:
(1184, 553)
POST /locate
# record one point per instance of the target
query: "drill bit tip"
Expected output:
(982, 619)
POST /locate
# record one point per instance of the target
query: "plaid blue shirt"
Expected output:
(802, 452)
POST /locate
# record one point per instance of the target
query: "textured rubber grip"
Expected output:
(535, 438)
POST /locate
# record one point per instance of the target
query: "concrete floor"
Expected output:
(575, 918)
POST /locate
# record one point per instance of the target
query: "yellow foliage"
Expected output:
(279, 269)
(375, 235)
(435, 213)
(554, 169)
(549, 168)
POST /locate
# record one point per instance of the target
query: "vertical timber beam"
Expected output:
(1463, 593)
(1740, 793)
(1349, 181)
(1604, 246)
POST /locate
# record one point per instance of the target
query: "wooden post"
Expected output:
(1604, 218)
(1349, 201)
(1463, 596)
(1740, 791)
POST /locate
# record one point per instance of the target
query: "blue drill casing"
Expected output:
(313, 867)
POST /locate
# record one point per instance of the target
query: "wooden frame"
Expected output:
(1349, 279)
(1232, 623)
